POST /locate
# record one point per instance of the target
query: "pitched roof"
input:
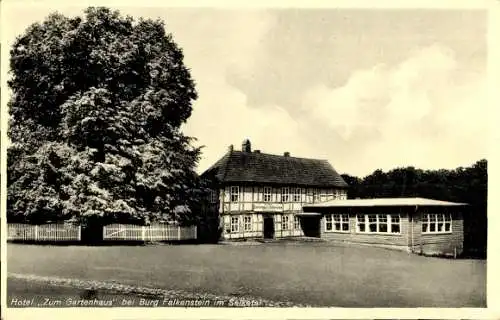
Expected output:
(383, 202)
(256, 167)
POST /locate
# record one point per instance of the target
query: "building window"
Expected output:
(372, 223)
(285, 194)
(267, 194)
(436, 223)
(345, 222)
(432, 222)
(341, 195)
(382, 223)
(328, 222)
(235, 224)
(285, 222)
(296, 223)
(297, 194)
(247, 223)
(378, 223)
(340, 222)
(235, 191)
(395, 224)
(316, 195)
(440, 223)
(361, 223)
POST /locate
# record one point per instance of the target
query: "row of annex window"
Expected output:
(287, 194)
(436, 223)
(247, 224)
(386, 223)
(367, 223)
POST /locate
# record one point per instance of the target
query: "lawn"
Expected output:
(317, 274)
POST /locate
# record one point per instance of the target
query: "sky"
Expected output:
(365, 89)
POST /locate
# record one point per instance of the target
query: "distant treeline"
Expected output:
(469, 185)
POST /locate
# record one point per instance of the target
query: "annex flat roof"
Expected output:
(308, 214)
(384, 202)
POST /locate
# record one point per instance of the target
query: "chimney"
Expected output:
(286, 154)
(256, 151)
(246, 146)
(230, 148)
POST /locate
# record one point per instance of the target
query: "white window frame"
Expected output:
(337, 221)
(380, 219)
(285, 194)
(361, 220)
(316, 196)
(234, 193)
(296, 223)
(285, 223)
(297, 195)
(341, 195)
(267, 196)
(392, 222)
(328, 223)
(247, 223)
(435, 219)
(235, 224)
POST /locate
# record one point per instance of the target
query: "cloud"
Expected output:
(220, 41)
(424, 113)
(419, 112)
(222, 116)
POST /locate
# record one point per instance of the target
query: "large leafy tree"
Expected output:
(95, 115)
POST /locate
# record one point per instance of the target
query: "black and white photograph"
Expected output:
(243, 158)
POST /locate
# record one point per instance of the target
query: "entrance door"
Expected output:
(311, 226)
(268, 227)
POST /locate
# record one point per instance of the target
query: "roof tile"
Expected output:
(253, 167)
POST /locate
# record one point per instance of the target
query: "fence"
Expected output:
(148, 233)
(45, 232)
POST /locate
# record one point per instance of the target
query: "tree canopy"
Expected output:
(459, 185)
(95, 115)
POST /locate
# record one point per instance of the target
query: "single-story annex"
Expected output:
(419, 225)
(258, 196)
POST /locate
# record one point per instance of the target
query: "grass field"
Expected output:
(316, 274)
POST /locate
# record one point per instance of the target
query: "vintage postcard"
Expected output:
(215, 160)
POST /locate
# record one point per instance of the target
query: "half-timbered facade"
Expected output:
(259, 195)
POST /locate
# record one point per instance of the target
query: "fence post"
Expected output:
(143, 233)
(36, 233)
(178, 232)
(79, 233)
(195, 232)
